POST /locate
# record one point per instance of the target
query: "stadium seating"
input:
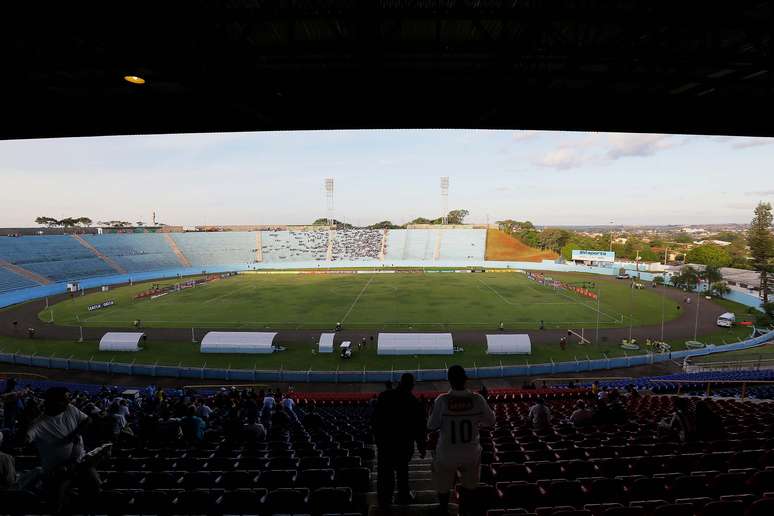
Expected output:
(357, 244)
(56, 257)
(62, 258)
(136, 252)
(696, 383)
(463, 244)
(294, 246)
(217, 248)
(410, 244)
(629, 467)
(12, 281)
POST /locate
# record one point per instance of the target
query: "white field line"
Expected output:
(571, 302)
(229, 293)
(559, 292)
(496, 292)
(357, 299)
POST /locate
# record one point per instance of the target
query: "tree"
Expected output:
(421, 220)
(84, 221)
(658, 280)
(457, 216)
(68, 222)
(553, 238)
(709, 255)
(720, 289)
(767, 317)
(761, 243)
(385, 224)
(688, 278)
(139, 224)
(47, 221)
(711, 275)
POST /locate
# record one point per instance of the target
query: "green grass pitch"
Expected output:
(430, 302)
(362, 302)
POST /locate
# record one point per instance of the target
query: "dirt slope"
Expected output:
(503, 247)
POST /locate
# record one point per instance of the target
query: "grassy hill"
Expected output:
(503, 247)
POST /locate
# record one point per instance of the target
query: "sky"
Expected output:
(549, 178)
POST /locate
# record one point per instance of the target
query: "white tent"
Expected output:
(237, 342)
(508, 344)
(326, 343)
(415, 344)
(120, 341)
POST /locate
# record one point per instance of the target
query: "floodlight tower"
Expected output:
(329, 198)
(444, 199)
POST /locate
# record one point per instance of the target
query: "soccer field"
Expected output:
(420, 301)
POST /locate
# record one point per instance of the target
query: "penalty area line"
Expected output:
(357, 299)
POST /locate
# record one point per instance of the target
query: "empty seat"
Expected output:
(277, 478)
(315, 478)
(237, 480)
(331, 500)
(683, 509)
(723, 508)
(242, 501)
(287, 501)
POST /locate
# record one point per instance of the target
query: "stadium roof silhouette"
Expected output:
(676, 67)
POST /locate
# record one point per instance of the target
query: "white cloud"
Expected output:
(503, 189)
(627, 145)
(599, 149)
(760, 193)
(562, 159)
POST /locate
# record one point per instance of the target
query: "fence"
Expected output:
(256, 375)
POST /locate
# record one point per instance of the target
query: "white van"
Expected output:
(726, 320)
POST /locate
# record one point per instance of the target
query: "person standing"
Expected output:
(457, 415)
(398, 423)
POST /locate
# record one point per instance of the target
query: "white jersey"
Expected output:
(458, 415)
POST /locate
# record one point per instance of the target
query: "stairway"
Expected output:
(383, 248)
(182, 258)
(24, 272)
(437, 251)
(420, 480)
(111, 262)
(329, 252)
(258, 247)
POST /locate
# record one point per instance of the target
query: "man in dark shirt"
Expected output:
(398, 423)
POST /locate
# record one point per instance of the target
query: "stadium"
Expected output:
(251, 357)
(298, 284)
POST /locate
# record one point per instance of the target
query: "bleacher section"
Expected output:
(727, 383)
(319, 458)
(12, 281)
(294, 246)
(463, 244)
(56, 257)
(136, 252)
(420, 244)
(222, 248)
(61, 258)
(357, 244)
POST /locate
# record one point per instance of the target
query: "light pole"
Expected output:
(611, 236)
(662, 313)
(696, 322)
